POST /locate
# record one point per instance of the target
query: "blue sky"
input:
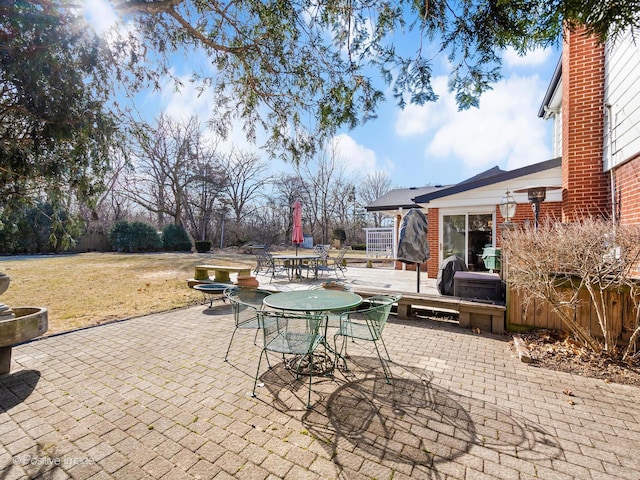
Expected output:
(420, 145)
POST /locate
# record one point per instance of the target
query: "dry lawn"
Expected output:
(93, 288)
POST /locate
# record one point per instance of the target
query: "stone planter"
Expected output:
(247, 281)
(18, 325)
(4, 282)
(29, 323)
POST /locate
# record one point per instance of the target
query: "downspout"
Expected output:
(609, 108)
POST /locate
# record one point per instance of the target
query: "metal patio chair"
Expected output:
(366, 323)
(291, 334)
(336, 264)
(246, 303)
(266, 262)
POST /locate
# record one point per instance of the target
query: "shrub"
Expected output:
(176, 239)
(203, 246)
(38, 228)
(339, 234)
(134, 237)
(358, 246)
(565, 264)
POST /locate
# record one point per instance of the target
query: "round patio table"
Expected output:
(313, 300)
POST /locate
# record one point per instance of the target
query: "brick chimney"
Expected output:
(584, 182)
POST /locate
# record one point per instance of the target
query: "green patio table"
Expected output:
(313, 300)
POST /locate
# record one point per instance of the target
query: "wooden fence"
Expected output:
(93, 242)
(540, 314)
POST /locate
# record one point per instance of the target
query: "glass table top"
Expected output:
(313, 300)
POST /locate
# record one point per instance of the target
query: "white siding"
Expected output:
(557, 134)
(479, 199)
(622, 94)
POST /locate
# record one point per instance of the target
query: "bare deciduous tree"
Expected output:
(204, 192)
(372, 187)
(176, 173)
(246, 179)
(320, 178)
(559, 261)
(162, 162)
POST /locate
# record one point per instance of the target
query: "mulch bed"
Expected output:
(556, 350)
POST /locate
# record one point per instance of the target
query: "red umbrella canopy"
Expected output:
(296, 236)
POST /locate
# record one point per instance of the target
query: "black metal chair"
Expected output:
(266, 262)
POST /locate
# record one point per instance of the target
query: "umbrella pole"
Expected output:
(418, 278)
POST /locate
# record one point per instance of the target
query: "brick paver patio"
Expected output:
(152, 398)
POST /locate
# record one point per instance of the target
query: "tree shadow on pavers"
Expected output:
(412, 424)
(16, 387)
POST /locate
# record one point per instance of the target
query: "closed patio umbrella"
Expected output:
(412, 245)
(296, 236)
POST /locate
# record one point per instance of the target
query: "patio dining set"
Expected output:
(299, 324)
(316, 263)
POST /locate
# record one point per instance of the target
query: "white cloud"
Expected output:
(100, 15)
(504, 130)
(534, 58)
(420, 119)
(186, 101)
(413, 120)
(357, 158)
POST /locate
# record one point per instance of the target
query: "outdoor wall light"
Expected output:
(508, 207)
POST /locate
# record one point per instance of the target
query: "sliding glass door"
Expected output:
(466, 235)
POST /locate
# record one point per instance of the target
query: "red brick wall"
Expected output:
(549, 211)
(627, 178)
(433, 238)
(585, 185)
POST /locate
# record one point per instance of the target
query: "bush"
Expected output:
(134, 237)
(38, 228)
(203, 246)
(176, 239)
(339, 234)
(358, 246)
(573, 266)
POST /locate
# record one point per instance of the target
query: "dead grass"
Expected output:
(93, 288)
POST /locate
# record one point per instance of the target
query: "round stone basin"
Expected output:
(30, 322)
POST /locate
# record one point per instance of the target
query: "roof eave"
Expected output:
(483, 182)
(551, 89)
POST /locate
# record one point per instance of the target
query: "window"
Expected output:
(466, 235)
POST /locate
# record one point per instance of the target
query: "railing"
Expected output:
(381, 242)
